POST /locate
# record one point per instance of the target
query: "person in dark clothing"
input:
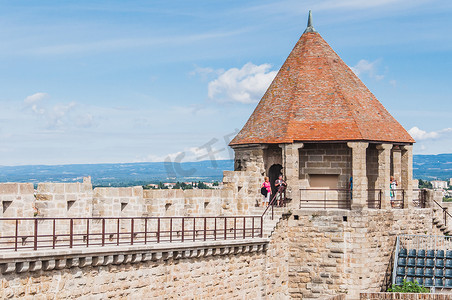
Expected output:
(280, 186)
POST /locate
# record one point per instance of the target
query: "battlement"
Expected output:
(20, 200)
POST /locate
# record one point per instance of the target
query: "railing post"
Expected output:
(183, 228)
(252, 233)
(380, 193)
(71, 233)
(299, 205)
(205, 228)
(145, 231)
(225, 225)
(35, 242)
(403, 199)
(262, 226)
(171, 230)
(117, 232)
(53, 234)
(215, 230)
(15, 237)
(235, 228)
(132, 222)
(103, 232)
(244, 227)
(158, 230)
(445, 215)
(194, 229)
(87, 232)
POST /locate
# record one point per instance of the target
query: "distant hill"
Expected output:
(431, 167)
(126, 174)
(425, 167)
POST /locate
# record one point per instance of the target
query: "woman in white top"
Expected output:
(392, 188)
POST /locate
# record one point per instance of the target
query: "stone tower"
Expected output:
(320, 126)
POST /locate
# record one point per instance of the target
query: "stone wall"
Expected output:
(64, 199)
(346, 251)
(407, 296)
(311, 255)
(187, 272)
(19, 200)
(333, 159)
(372, 166)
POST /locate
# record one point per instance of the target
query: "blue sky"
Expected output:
(131, 81)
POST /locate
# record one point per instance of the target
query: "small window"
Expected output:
(70, 204)
(6, 204)
(123, 206)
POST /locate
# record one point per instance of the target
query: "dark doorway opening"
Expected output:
(273, 174)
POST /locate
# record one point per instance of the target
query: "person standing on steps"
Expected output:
(280, 185)
(266, 185)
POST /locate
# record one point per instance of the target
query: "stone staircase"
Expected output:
(269, 224)
(438, 220)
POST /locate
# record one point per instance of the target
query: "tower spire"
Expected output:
(310, 28)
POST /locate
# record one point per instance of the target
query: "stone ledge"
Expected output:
(54, 259)
(408, 296)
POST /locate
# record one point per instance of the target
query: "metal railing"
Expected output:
(341, 198)
(51, 233)
(273, 202)
(325, 198)
(397, 198)
(446, 214)
(374, 198)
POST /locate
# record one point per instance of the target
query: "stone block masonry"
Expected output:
(349, 252)
(183, 272)
(402, 296)
(311, 254)
(20, 200)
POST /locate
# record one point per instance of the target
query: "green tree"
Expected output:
(409, 287)
(162, 186)
(203, 186)
(425, 184)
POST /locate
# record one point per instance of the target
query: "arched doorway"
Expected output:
(273, 174)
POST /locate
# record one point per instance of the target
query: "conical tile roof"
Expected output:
(316, 97)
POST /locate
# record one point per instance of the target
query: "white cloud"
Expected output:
(108, 45)
(245, 85)
(37, 97)
(204, 72)
(357, 4)
(34, 102)
(369, 68)
(59, 115)
(420, 135)
(393, 83)
(84, 120)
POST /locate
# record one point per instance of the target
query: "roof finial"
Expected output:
(310, 28)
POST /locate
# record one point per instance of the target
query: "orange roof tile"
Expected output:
(316, 97)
